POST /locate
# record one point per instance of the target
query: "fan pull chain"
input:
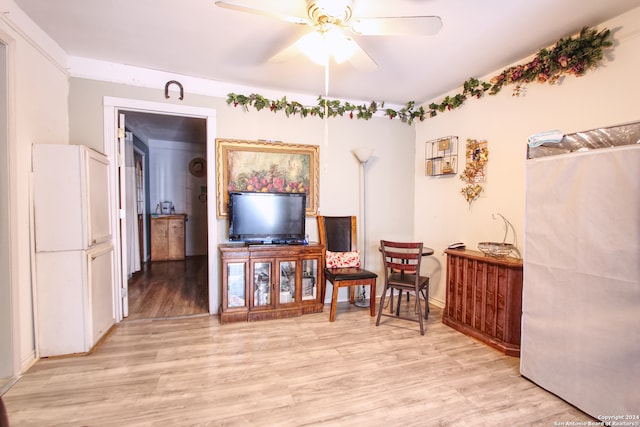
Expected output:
(326, 81)
(326, 113)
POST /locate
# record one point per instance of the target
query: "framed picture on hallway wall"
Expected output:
(266, 167)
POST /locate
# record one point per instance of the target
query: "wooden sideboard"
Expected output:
(261, 282)
(484, 298)
(168, 237)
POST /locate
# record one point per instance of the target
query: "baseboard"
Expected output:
(28, 361)
(437, 302)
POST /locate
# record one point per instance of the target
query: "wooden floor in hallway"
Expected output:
(302, 371)
(169, 289)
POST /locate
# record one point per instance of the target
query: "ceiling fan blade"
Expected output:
(235, 5)
(281, 48)
(289, 53)
(397, 26)
(362, 61)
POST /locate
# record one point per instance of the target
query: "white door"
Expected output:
(124, 290)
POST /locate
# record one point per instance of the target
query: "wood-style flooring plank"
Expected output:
(289, 372)
(169, 289)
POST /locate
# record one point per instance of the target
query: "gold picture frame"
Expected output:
(263, 166)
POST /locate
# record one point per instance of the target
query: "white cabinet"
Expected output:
(74, 248)
(74, 299)
(71, 197)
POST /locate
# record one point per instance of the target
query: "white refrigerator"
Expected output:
(74, 248)
(581, 294)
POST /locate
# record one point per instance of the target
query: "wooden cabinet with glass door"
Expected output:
(261, 282)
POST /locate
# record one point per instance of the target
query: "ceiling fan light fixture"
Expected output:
(365, 27)
(314, 47)
(331, 43)
(331, 11)
(339, 46)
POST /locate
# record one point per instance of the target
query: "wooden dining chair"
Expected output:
(401, 262)
(338, 235)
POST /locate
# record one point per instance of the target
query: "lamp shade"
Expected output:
(363, 154)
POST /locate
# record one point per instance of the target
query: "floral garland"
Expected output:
(332, 108)
(569, 56)
(479, 154)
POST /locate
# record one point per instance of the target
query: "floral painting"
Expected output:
(266, 167)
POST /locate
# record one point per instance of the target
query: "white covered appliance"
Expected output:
(581, 294)
(74, 248)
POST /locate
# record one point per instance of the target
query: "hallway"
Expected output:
(169, 289)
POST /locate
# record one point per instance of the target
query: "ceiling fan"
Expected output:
(330, 22)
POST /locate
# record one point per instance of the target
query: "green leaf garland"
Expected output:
(569, 56)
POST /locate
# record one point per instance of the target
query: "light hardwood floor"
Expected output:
(291, 372)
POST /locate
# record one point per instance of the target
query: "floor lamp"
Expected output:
(363, 155)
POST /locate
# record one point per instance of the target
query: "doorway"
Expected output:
(161, 155)
(150, 165)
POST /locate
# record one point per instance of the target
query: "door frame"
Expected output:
(112, 107)
(143, 245)
(9, 332)
(16, 329)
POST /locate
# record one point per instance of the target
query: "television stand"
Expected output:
(271, 281)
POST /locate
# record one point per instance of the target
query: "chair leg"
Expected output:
(382, 298)
(419, 311)
(426, 304)
(425, 292)
(372, 298)
(334, 302)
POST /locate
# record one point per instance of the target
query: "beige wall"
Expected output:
(389, 173)
(604, 97)
(38, 113)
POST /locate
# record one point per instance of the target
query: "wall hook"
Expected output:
(169, 83)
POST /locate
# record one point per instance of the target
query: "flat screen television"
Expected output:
(268, 218)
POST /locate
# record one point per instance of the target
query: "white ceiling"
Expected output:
(198, 38)
(164, 127)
